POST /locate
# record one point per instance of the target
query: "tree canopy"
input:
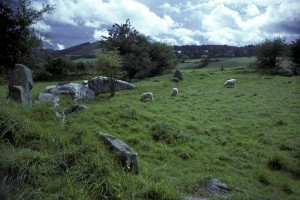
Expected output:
(109, 63)
(141, 57)
(19, 39)
(270, 53)
(295, 52)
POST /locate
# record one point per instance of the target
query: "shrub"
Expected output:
(295, 53)
(167, 133)
(269, 53)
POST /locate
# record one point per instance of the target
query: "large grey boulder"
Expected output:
(283, 72)
(100, 84)
(79, 92)
(20, 85)
(128, 155)
(178, 74)
(47, 97)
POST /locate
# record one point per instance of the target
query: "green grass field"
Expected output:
(189, 64)
(231, 62)
(91, 60)
(237, 62)
(247, 137)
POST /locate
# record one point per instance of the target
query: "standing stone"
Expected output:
(128, 155)
(178, 74)
(20, 85)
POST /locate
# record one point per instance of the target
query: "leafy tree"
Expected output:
(270, 53)
(295, 52)
(141, 57)
(109, 63)
(19, 40)
(59, 66)
(163, 57)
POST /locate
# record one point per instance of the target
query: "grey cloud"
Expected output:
(70, 35)
(284, 27)
(227, 22)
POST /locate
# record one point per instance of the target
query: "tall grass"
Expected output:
(247, 137)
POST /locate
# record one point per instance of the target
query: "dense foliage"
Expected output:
(19, 40)
(295, 52)
(109, 63)
(270, 53)
(141, 56)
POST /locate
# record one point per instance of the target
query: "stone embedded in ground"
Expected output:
(212, 187)
(47, 97)
(74, 109)
(178, 74)
(100, 84)
(216, 187)
(283, 72)
(297, 71)
(128, 155)
(175, 79)
(44, 97)
(20, 85)
(55, 103)
(77, 91)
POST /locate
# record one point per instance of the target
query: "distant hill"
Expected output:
(84, 50)
(89, 50)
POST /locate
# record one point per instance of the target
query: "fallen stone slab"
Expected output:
(215, 187)
(127, 155)
(100, 84)
(212, 187)
(77, 91)
(283, 72)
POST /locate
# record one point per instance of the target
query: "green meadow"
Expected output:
(247, 137)
(230, 62)
(189, 64)
(217, 63)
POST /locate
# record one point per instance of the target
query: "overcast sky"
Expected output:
(231, 22)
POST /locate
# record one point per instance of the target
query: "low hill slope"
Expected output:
(85, 50)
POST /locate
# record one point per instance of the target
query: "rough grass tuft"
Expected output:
(167, 133)
(277, 163)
